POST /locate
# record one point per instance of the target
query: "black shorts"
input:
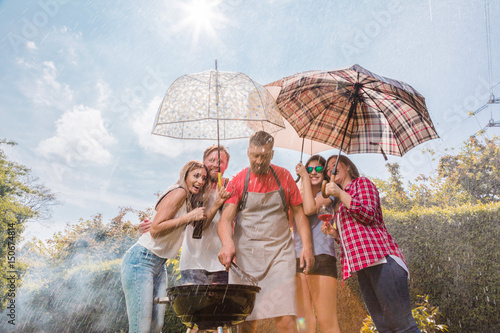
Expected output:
(324, 264)
(201, 276)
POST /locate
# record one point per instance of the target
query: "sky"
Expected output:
(81, 82)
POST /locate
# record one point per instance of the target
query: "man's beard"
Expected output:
(213, 178)
(260, 170)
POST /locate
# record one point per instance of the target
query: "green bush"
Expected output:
(453, 257)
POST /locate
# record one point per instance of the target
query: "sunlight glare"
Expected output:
(202, 16)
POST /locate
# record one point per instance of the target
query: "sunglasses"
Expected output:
(318, 169)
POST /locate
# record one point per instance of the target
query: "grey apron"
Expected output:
(264, 246)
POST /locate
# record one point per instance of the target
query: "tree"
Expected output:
(22, 198)
(392, 191)
(437, 192)
(475, 170)
(469, 177)
(74, 280)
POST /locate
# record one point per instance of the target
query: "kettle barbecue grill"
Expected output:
(213, 306)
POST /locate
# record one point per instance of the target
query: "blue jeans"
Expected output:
(143, 279)
(386, 295)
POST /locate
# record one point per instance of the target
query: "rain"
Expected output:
(82, 83)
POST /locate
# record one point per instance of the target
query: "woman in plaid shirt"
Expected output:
(367, 248)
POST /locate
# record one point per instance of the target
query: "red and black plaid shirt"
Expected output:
(364, 237)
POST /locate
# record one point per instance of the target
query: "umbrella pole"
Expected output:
(301, 153)
(302, 150)
(354, 104)
(219, 175)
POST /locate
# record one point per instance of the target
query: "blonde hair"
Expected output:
(203, 195)
(213, 148)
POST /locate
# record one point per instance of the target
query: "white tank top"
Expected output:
(202, 253)
(168, 245)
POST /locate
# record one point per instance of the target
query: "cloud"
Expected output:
(69, 45)
(80, 137)
(104, 93)
(30, 45)
(46, 90)
(142, 124)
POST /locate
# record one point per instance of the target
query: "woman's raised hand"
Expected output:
(332, 189)
(221, 196)
(300, 169)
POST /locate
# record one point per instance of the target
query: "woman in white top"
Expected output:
(143, 266)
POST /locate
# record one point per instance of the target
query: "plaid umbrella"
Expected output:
(355, 110)
(289, 139)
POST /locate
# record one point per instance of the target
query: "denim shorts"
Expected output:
(324, 264)
(201, 276)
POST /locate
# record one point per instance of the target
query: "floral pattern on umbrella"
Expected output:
(216, 105)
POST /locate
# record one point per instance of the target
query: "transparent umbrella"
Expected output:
(215, 105)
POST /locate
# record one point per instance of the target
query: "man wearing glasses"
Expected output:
(262, 245)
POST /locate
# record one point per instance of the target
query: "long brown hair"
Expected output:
(203, 195)
(352, 170)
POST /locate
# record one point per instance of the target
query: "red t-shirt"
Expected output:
(265, 183)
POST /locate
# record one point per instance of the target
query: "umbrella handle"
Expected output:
(323, 189)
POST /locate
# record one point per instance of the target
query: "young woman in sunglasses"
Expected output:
(317, 290)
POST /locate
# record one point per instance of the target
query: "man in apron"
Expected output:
(262, 243)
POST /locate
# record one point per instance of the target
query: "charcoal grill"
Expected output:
(212, 306)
